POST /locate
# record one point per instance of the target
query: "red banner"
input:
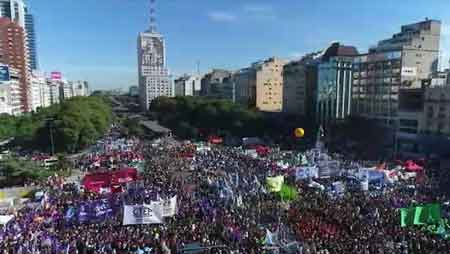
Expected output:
(97, 182)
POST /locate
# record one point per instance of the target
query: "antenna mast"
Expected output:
(198, 68)
(152, 16)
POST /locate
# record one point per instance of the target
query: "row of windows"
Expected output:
(274, 84)
(274, 103)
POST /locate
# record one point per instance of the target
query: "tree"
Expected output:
(17, 171)
(133, 127)
(77, 122)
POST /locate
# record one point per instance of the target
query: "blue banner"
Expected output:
(83, 213)
(70, 214)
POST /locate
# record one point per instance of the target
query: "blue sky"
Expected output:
(95, 40)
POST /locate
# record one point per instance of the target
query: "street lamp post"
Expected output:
(50, 124)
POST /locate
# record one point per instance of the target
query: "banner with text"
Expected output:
(142, 214)
(168, 207)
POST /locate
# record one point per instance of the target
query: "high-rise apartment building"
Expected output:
(80, 88)
(35, 94)
(245, 86)
(17, 11)
(269, 84)
(10, 91)
(294, 88)
(334, 83)
(187, 85)
(300, 85)
(436, 115)
(39, 81)
(400, 62)
(261, 85)
(66, 90)
(218, 84)
(31, 40)
(13, 53)
(54, 91)
(154, 78)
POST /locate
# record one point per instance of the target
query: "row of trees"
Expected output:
(74, 124)
(17, 172)
(190, 117)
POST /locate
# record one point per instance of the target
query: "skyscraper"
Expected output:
(400, 62)
(31, 40)
(17, 11)
(14, 10)
(13, 53)
(154, 78)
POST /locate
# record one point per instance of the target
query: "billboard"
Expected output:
(4, 73)
(56, 75)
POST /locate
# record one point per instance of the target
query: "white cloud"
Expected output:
(258, 8)
(259, 11)
(221, 16)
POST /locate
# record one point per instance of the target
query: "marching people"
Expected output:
(222, 202)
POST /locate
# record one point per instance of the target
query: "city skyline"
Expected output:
(95, 45)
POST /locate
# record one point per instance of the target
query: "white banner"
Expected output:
(306, 172)
(168, 207)
(4, 219)
(142, 214)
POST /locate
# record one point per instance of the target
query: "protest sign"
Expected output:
(5, 219)
(288, 192)
(306, 172)
(274, 183)
(420, 215)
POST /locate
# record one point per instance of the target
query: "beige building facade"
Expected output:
(269, 85)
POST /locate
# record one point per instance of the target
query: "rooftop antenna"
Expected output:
(198, 68)
(152, 16)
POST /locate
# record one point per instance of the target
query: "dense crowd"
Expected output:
(223, 205)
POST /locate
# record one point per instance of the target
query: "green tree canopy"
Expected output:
(75, 123)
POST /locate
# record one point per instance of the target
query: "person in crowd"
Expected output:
(222, 205)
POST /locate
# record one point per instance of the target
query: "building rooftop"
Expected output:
(336, 49)
(154, 126)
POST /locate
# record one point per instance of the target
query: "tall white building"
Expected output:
(10, 95)
(154, 78)
(80, 88)
(39, 91)
(65, 89)
(35, 95)
(188, 86)
(44, 91)
(53, 91)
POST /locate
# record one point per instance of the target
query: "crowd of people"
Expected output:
(223, 206)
